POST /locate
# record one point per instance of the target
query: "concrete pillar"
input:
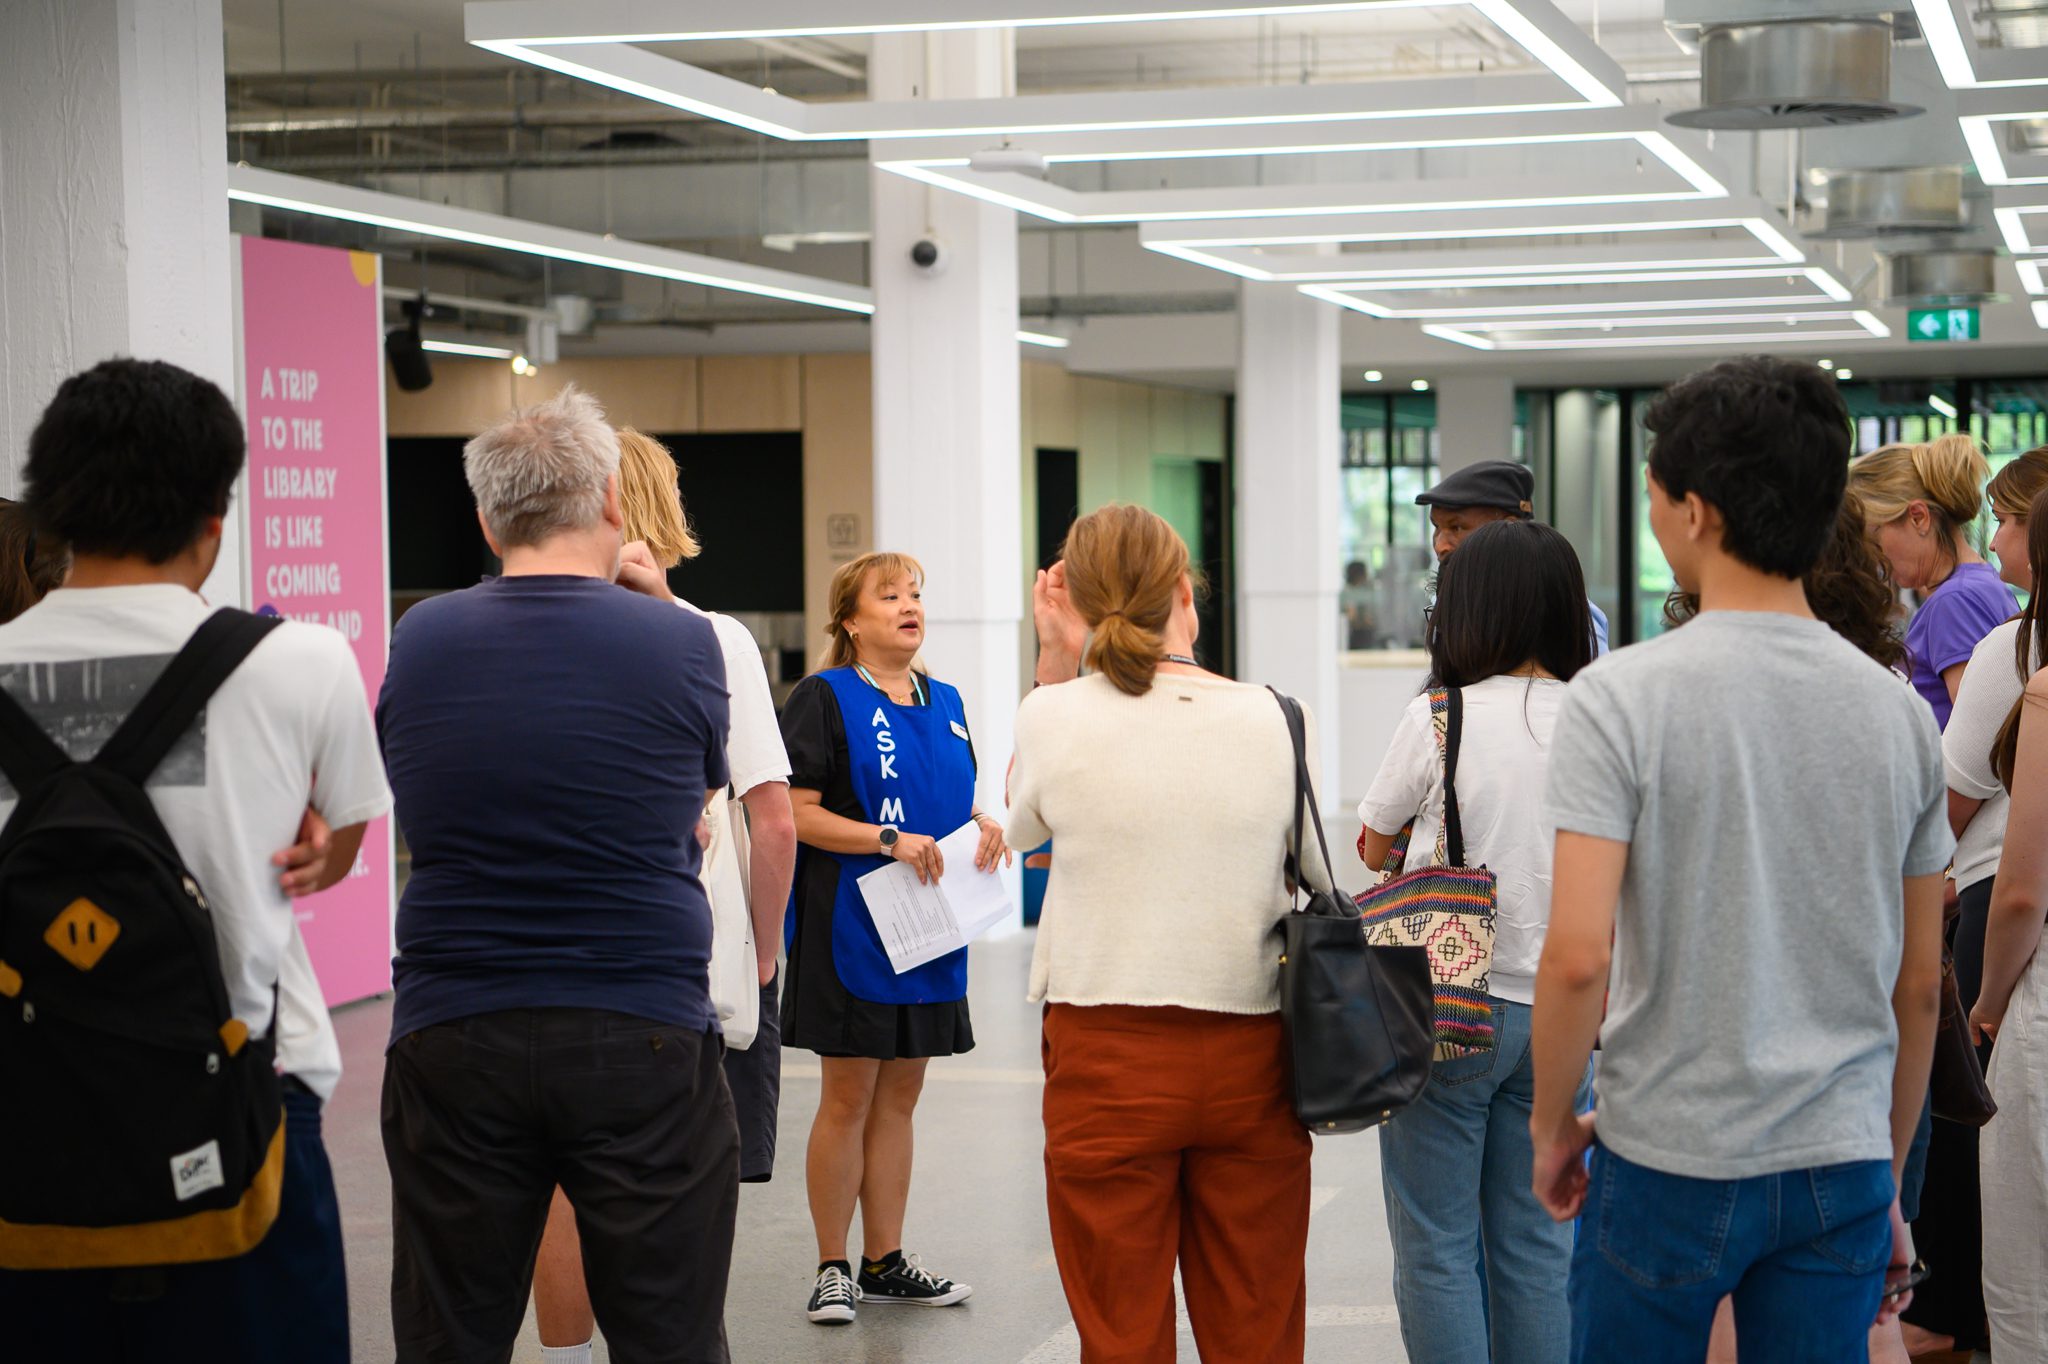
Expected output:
(113, 204)
(1289, 445)
(948, 467)
(1475, 419)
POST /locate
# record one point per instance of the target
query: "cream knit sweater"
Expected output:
(1170, 815)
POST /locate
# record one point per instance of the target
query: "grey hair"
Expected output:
(543, 470)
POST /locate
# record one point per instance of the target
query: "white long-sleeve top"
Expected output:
(1990, 687)
(1170, 815)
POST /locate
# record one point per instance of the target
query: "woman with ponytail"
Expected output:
(1919, 501)
(1170, 791)
(2012, 1003)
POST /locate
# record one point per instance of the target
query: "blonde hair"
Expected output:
(843, 598)
(650, 501)
(2013, 489)
(1947, 473)
(543, 469)
(1124, 569)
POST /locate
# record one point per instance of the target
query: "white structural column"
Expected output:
(1289, 447)
(1475, 420)
(948, 462)
(113, 203)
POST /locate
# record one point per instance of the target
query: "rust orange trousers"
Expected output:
(1169, 1136)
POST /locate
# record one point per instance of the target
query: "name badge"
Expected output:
(958, 728)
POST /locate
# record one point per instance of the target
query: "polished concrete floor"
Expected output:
(977, 1214)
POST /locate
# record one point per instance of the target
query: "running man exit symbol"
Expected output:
(1941, 324)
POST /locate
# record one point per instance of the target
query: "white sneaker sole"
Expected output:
(832, 1316)
(959, 1294)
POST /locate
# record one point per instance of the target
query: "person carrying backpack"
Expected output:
(164, 1194)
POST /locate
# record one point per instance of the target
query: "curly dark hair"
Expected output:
(130, 460)
(1849, 588)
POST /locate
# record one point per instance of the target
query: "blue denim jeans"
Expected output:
(1479, 1267)
(1803, 1253)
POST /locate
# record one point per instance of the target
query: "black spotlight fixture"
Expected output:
(402, 348)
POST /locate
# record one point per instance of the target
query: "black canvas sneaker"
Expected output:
(903, 1279)
(833, 1297)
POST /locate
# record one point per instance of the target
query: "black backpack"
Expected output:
(143, 1123)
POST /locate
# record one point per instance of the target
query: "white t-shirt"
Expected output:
(753, 746)
(1502, 765)
(1990, 688)
(289, 728)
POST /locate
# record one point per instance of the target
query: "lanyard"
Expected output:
(917, 696)
(1183, 660)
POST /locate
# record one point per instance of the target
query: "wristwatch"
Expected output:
(889, 837)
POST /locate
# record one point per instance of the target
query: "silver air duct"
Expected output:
(1797, 73)
(1940, 279)
(1893, 202)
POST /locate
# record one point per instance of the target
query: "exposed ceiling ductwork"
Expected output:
(1894, 202)
(1941, 279)
(1798, 73)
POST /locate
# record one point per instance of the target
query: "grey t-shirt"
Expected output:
(1774, 786)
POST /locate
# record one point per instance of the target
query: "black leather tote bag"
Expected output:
(1358, 1019)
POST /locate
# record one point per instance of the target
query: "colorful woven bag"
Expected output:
(1447, 909)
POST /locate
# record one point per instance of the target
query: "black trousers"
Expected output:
(485, 1116)
(1949, 1233)
(755, 1078)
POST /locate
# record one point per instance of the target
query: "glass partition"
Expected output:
(1389, 457)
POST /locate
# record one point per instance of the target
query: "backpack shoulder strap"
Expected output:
(28, 755)
(170, 706)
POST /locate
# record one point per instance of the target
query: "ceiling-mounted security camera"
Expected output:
(929, 255)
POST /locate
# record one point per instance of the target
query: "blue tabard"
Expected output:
(912, 767)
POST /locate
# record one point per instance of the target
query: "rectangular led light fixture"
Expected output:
(467, 348)
(2041, 313)
(2019, 214)
(1686, 171)
(1043, 339)
(594, 40)
(1983, 114)
(1821, 287)
(326, 199)
(1527, 334)
(2031, 276)
(1964, 62)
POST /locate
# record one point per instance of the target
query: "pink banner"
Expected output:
(313, 390)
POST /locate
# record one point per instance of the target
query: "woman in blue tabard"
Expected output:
(882, 767)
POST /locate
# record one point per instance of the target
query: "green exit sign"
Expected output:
(1941, 324)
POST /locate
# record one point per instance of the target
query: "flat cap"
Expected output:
(1496, 483)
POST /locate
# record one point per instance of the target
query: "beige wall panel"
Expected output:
(465, 397)
(656, 393)
(1051, 406)
(839, 477)
(751, 392)
(1099, 436)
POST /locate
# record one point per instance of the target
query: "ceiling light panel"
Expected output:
(1967, 64)
(326, 199)
(594, 40)
(2022, 218)
(1668, 236)
(1608, 296)
(1772, 329)
(1644, 163)
(1987, 118)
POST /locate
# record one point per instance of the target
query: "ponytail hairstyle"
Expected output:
(1946, 473)
(2028, 644)
(843, 598)
(2012, 490)
(1125, 566)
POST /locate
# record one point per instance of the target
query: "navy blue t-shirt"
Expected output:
(550, 741)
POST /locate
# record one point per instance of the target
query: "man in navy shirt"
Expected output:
(551, 738)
